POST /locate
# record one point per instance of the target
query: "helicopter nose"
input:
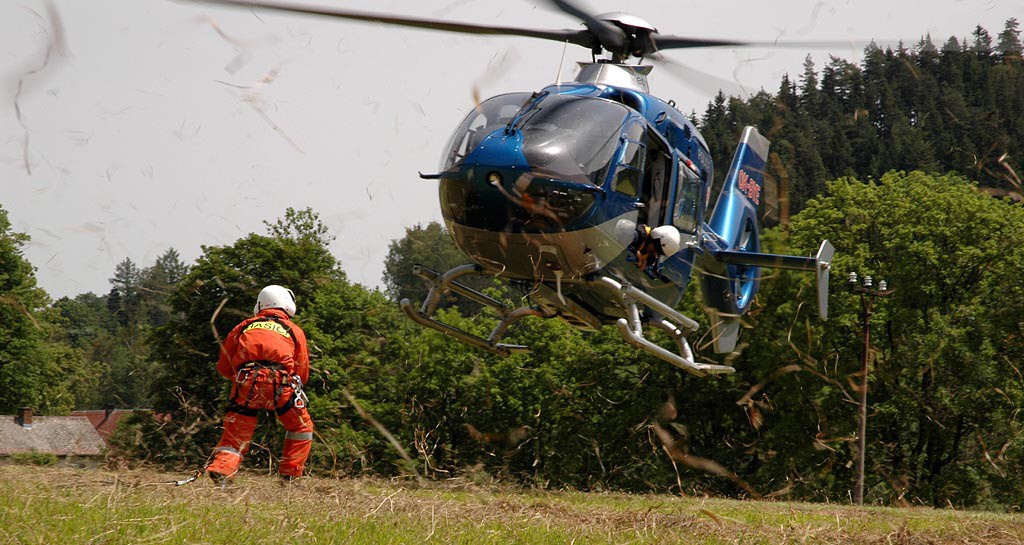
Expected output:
(501, 198)
(495, 188)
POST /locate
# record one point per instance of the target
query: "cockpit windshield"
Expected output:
(492, 114)
(572, 138)
(567, 137)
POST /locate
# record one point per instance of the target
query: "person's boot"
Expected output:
(218, 479)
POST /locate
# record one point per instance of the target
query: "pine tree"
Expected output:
(982, 44)
(158, 282)
(809, 86)
(125, 297)
(1009, 46)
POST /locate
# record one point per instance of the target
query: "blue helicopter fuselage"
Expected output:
(550, 187)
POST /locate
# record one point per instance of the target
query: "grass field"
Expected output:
(52, 505)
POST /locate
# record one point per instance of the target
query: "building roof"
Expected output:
(105, 421)
(60, 435)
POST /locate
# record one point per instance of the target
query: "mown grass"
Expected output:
(47, 505)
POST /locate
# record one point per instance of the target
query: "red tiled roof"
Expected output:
(60, 435)
(103, 420)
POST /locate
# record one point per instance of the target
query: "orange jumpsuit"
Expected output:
(261, 356)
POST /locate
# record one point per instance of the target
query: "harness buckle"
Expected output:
(301, 400)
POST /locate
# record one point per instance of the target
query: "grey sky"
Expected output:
(152, 130)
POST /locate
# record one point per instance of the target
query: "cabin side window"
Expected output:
(630, 171)
(687, 206)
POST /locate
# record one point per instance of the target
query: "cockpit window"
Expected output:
(573, 138)
(492, 114)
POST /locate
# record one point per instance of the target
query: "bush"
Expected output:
(34, 458)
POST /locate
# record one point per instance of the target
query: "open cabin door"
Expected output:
(656, 189)
(644, 172)
(687, 205)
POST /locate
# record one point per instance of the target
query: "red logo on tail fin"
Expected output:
(749, 187)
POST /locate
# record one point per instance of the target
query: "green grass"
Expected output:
(46, 505)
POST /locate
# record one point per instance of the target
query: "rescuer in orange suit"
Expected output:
(266, 359)
(651, 244)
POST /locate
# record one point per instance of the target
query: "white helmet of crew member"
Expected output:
(624, 231)
(274, 296)
(668, 239)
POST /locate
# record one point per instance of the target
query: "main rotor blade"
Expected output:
(662, 42)
(577, 37)
(699, 80)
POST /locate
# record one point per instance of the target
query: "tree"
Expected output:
(927, 53)
(157, 283)
(125, 357)
(945, 343)
(1009, 46)
(36, 369)
(112, 332)
(982, 45)
(429, 245)
(87, 319)
(89, 327)
(300, 227)
(809, 83)
(359, 343)
(125, 297)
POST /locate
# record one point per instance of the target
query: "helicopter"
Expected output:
(593, 197)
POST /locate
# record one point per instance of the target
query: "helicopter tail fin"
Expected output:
(744, 183)
(729, 288)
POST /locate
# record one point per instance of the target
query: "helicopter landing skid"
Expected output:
(448, 282)
(665, 318)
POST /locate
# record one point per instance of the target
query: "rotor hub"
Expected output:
(637, 32)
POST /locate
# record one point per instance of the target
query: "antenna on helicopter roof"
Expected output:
(558, 76)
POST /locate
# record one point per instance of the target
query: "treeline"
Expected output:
(586, 410)
(955, 107)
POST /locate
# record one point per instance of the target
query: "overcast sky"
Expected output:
(166, 124)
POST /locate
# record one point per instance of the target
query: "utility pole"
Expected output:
(867, 301)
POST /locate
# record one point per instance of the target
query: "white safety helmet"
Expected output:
(668, 239)
(274, 296)
(624, 231)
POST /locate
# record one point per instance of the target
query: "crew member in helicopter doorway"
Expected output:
(649, 245)
(266, 358)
